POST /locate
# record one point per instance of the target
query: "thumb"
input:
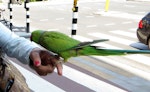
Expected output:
(35, 57)
(37, 63)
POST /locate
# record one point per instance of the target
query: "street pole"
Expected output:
(10, 15)
(107, 5)
(75, 17)
(27, 16)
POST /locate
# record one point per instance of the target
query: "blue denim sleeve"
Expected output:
(15, 46)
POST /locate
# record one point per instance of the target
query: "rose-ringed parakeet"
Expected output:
(67, 47)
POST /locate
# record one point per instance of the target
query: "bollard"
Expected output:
(27, 16)
(75, 17)
(10, 9)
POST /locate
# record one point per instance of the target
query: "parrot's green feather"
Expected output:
(67, 47)
(35, 36)
(84, 44)
(105, 52)
(57, 42)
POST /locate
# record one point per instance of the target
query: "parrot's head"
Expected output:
(35, 35)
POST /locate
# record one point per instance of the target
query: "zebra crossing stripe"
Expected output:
(83, 39)
(124, 33)
(133, 29)
(139, 58)
(89, 81)
(129, 68)
(112, 38)
(120, 15)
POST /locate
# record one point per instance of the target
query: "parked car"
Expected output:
(143, 31)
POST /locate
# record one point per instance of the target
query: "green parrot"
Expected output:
(67, 47)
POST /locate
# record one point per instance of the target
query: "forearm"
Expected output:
(15, 46)
(19, 49)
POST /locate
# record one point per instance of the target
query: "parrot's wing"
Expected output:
(84, 44)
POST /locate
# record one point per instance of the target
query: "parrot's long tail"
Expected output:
(107, 52)
(123, 52)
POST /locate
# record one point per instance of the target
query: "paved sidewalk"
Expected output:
(139, 0)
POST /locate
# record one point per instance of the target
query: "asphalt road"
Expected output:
(128, 73)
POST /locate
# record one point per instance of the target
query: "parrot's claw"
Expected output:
(59, 62)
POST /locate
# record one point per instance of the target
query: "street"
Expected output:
(128, 73)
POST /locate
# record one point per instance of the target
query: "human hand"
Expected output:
(44, 62)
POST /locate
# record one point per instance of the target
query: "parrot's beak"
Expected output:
(31, 38)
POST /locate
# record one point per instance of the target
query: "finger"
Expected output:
(59, 68)
(36, 58)
(44, 70)
(50, 68)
